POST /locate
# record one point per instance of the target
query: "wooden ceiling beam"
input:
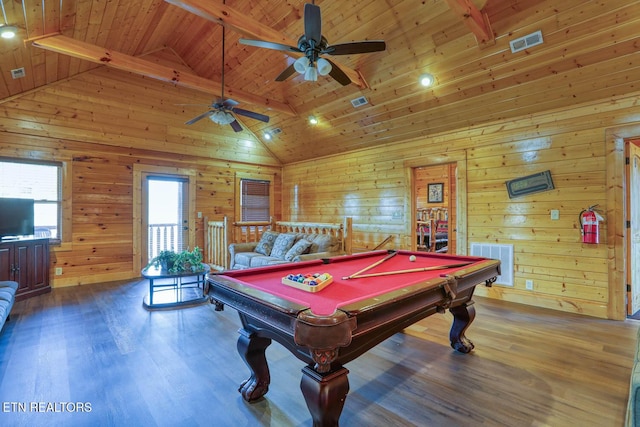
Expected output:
(475, 19)
(99, 55)
(242, 24)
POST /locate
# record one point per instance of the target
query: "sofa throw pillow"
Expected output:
(323, 243)
(265, 245)
(282, 244)
(302, 246)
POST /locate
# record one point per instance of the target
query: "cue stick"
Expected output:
(411, 270)
(375, 264)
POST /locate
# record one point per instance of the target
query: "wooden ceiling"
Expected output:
(589, 52)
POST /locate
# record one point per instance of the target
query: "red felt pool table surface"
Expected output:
(344, 292)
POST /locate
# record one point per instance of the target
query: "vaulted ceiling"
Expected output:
(589, 53)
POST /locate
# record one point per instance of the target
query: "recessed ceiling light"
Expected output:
(313, 120)
(427, 79)
(267, 136)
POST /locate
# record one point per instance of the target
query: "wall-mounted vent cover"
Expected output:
(504, 253)
(18, 73)
(359, 101)
(526, 42)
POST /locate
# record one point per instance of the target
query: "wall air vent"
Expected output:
(359, 101)
(526, 42)
(18, 73)
(504, 253)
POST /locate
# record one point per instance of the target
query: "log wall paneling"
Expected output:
(102, 242)
(572, 144)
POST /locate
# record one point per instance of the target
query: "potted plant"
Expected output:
(164, 260)
(172, 262)
(187, 261)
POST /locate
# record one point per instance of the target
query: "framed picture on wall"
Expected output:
(435, 193)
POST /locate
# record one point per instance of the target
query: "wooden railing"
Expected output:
(162, 237)
(218, 235)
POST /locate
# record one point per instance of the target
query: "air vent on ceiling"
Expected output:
(526, 42)
(18, 73)
(359, 101)
(275, 131)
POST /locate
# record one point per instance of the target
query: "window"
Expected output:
(255, 201)
(38, 181)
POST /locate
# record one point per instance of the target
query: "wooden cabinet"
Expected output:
(26, 262)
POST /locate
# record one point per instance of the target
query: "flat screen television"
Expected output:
(16, 217)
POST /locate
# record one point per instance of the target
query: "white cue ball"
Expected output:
(412, 258)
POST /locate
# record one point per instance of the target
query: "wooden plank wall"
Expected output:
(372, 187)
(86, 122)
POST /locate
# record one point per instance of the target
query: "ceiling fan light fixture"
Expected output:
(301, 64)
(324, 67)
(427, 79)
(221, 117)
(8, 31)
(311, 74)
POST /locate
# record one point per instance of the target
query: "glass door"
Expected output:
(165, 217)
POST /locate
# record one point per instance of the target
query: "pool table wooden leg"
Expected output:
(325, 394)
(463, 315)
(252, 350)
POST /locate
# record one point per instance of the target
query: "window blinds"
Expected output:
(254, 200)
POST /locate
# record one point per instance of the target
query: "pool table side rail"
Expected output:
(218, 282)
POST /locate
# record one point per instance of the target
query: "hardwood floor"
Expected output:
(96, 347)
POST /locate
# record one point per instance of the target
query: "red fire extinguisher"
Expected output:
(589, 225)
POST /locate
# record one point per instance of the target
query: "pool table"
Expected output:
(333, 326)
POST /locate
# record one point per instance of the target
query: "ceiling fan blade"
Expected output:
(356, 47)
(338, 75)
(229, 103)
(269, 45)
(286, 73)
(251, 114)
(312, 23)
(200, 117)
(236, 126)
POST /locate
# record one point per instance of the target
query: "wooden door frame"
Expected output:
(140, 172)
(460, 159)
(628, 207)
(616, 217)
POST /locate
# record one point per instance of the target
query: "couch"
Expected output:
(278, 248)
(633, 405)
(7, 298)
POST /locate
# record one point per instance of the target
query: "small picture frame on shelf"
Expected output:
(435, 193)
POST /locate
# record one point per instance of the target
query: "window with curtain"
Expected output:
(254, 200)
(38, 181)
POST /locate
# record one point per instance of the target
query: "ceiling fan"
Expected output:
(313, 44)
(222, 110)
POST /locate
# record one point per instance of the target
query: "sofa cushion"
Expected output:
(7, 295)
(243, 259)
(262, 261)
(283, 243)
(5, 307)
(300, 247)
(9, 284)
(265, 245)
(323, 243)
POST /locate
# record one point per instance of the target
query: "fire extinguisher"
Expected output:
(589, 225)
